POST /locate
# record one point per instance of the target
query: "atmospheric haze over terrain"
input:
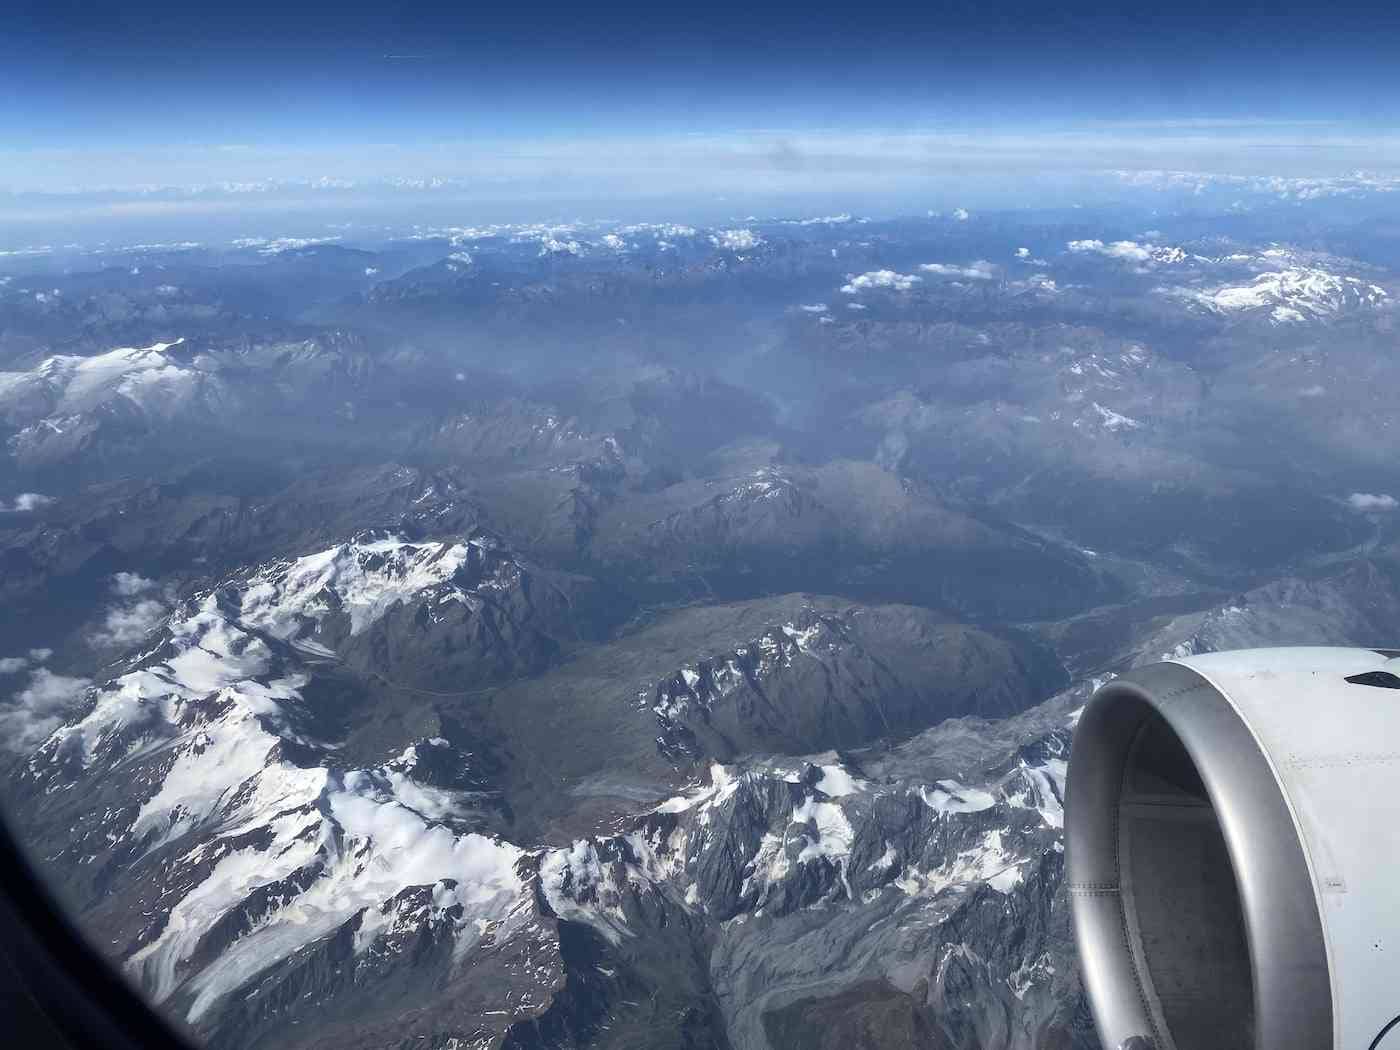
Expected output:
(542, 529)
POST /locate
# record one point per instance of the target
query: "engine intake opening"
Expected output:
(1194, 910)
(1183, 919)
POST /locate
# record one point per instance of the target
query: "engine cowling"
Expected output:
(1233, 852)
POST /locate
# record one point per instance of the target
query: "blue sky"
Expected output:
(108, 96)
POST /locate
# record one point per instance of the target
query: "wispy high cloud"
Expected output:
(1308, 158)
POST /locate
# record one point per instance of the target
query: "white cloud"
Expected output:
(856, 306)
(736, 240)
(39, 709)
(815, 308)
(981, 270)
(128, 623)
(130, 584)
(1284, 187)
(823, 220)
(1269, 157)
(899, 282)
(1023, 253)
(40, 655)
(550, 245)
(961, 214)
(1366, 502)
(27, 501)
(12, 664)
(1130, 250)
(1038, 282)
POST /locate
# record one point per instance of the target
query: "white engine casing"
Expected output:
(1301, 775)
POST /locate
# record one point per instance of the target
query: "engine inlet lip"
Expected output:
(1287, 949)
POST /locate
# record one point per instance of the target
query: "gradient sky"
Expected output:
(101, 95)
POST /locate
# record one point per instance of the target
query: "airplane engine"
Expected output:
(1233, 852)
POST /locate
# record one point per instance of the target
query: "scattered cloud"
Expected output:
(1303, 188)
(1129, 250)
(961, 214)
(814, 308)
(1038, 282)
(27, 501)
(1023, 253)
(559, 246)
(39, 709)
(128, 623)
(1367, 502)
(736, 240)
(15, 664)
(130, 584)
(899, 282)
(132, 616)
(981, 270)
(823, 220)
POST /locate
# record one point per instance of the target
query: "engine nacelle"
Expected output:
(1233, 850)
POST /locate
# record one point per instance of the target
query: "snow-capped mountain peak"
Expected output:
(65, 384)
(1294, 295)
(256, 828)
(359, 581)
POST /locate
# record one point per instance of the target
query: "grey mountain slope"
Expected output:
(125, 802)
(791, 674)
(912, 890)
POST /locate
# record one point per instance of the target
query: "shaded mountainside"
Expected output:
(287, 853)
(778, 823)
(258, 816)
(791, 674)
